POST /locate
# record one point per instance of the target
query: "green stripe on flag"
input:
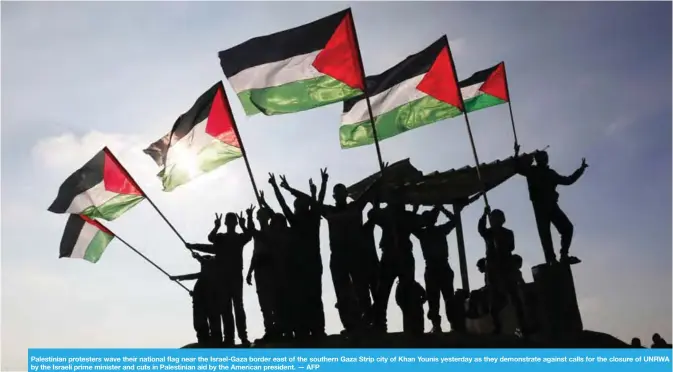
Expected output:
(420, 112)
(97, 246)
(482, 101)
(296, 96)
(114, 207)
(216, 154)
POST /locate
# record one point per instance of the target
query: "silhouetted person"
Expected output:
(659, 343)
(306, 261)
(542, 183)
(499, 247)
(397, 259)
(438, 273)
(369, 264)
(349, 260)
(206, 301)
(229, 247)
(287, 310)
(517, 264)
(410, 297)
(263, 265)
(481, 267)
(635, 342)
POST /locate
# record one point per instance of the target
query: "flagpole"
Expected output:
(240, 143)
(145, 257)
(114, 158)
(366, 93)
(509, 103)
(467, 123)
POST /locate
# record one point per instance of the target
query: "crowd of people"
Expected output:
(287, 265)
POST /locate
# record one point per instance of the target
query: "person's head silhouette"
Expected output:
(541, 158)
(278, 221)
(230, 220)
(263, 216)
(340, 193)
(429, 217)
(636, 342)
(481, 265)
(302, 204)
(497, 218)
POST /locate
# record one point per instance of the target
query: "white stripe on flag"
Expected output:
(386, 101)
(95, 196)
(276, 73)
(85, 238)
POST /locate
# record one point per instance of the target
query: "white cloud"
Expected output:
(69, 152)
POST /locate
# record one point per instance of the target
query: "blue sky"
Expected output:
(588, 79)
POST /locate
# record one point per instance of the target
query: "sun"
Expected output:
(184, 161)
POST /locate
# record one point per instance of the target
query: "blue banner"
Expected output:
(332, 360)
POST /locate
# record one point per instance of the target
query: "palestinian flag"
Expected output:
(418, 91)
(485, 88)
(100, 189)
(202, 139)
(84, 238)
(297, 69)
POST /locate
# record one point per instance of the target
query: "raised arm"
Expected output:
(213, 233)
(246, 236)
(263, 204)
(448, 226)
(294, 192)
(481, 226)
(281, 200)
(569, 180)
(370, 194)
(323, 186)
(376, 215)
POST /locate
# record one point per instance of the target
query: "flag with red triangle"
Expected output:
(299, 69)
(420, 90)
(100, 189)
(202, 139)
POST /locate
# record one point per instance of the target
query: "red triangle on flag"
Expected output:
(496, 84)
(115, 177)
(220, 121)
(96, 223)
(340, 58)
(440, 81)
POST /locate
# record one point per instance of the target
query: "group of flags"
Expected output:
(294, 70)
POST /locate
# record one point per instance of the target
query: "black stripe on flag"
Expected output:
(90, 175)
(71, 233)
(280, 45)
(184, 124)
(478, 77)
(412, 66)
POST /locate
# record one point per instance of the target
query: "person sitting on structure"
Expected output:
(542, 183)
(410, 297)
(206, 301)
(658, 342)
(499, 247)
